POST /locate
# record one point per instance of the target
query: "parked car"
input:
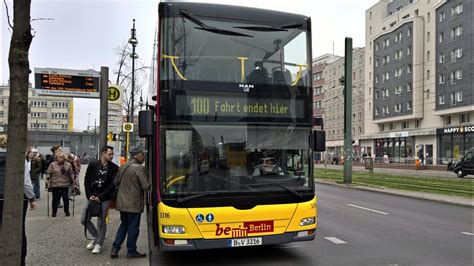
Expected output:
(465, 166)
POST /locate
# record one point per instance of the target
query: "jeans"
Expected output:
(37, 186)
(101, 223)
(58, 193)
(129, 223)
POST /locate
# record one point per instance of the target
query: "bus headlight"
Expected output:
(173, 229)
(307, 221)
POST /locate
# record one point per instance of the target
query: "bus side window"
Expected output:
(281, 77)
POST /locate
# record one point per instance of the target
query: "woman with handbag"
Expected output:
(99, 187)
(60, 176)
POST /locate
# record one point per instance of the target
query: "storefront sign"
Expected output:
(455, 130)
(398, 134)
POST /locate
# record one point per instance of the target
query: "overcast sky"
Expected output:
(84, 33)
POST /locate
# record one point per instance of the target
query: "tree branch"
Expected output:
(40, 18)
(8, 16)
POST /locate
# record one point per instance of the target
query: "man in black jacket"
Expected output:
(99, 187)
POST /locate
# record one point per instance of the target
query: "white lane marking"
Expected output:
(335, 240)
(467, 233)
(367, 209)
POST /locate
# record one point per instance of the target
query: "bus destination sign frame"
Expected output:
(67, 82)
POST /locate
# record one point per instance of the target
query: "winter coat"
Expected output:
(98, 185)
(36, 167)
(60, 175)
(132, 182)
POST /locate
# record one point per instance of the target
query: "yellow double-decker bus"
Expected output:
(230, 138)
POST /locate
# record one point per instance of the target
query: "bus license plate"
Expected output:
(243, 242)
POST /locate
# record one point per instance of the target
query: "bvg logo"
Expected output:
(246, 229)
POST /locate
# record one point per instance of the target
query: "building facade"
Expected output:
(332, 104)
(419, 58)
(45, 113)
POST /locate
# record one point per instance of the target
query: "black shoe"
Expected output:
(53, 215)
(136, 255)
(68, 214)
(114, 254)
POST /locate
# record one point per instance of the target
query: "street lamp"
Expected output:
(133, 41)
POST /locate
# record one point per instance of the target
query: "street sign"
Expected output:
(127, 127)
(115, 93)
(67, 82)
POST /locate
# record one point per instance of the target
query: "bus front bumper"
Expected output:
(195, 244)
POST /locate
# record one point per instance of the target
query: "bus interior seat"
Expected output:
(259, 74)
(281, 77)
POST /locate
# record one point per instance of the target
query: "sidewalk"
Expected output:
(61, 241)
(405, 172)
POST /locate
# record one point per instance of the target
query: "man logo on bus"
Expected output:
(245, 229)
(246, 87)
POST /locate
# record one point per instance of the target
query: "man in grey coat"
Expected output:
(132, 182)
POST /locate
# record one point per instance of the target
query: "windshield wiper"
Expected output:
(261, 28)
(188, 198)
(205, 27)
(292, 191)
(223, 32)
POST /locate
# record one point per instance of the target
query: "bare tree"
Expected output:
(124, 74)
(11, 234)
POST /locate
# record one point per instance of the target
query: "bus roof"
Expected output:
(232, 12)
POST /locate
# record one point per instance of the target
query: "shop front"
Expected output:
(399, 149)
(454, 142)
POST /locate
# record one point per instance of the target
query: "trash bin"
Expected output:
(369, 163)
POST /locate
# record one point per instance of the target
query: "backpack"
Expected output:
(94, 209)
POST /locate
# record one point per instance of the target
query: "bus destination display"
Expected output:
(222, 106)
(67, 83)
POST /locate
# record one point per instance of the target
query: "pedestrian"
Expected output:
(48, 160)
(60, 176)
(99, 187)
(76, 167)
(131, 182)
(28, 197)
(36, 168)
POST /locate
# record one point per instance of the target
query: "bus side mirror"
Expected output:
(319, 140)
(145, 123)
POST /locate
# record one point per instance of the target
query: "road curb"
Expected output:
(409, 194)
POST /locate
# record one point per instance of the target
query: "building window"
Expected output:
(398, 37)
(456, 10)
(409, 68)
(409, 86)
(459, 96)
(442, 58)
(427, 75)
(398, 72)
(377, 111)
(408, 106)
(427, 94)
(456, 54)
(417, 123)
(428, 36)
(465, 118)
(428, 17)
(409, 32)
(318, 76)
(392, 126)
(428, 56)
(447, 120)
(376, 79)
(442, 16)
(398, 90)
(376, 63)
(441, 37)
(398, 108)
(442, 78)
(456, 32)
(370, 15)
(318, 105)
(360, 130)
(409, 50)
(441, 99)
(370, 106)
(386, 110)
(406, 124)
(377, 96)
(317, 91)
(376, 46)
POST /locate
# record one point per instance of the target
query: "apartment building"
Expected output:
(418, 97)
(45, 113)
(332, 103)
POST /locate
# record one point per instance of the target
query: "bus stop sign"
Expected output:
(114, 93)
(127, 127)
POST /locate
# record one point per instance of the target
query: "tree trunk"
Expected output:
(10, 249)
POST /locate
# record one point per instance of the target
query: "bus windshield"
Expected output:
(224, 158)
(198, 48)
